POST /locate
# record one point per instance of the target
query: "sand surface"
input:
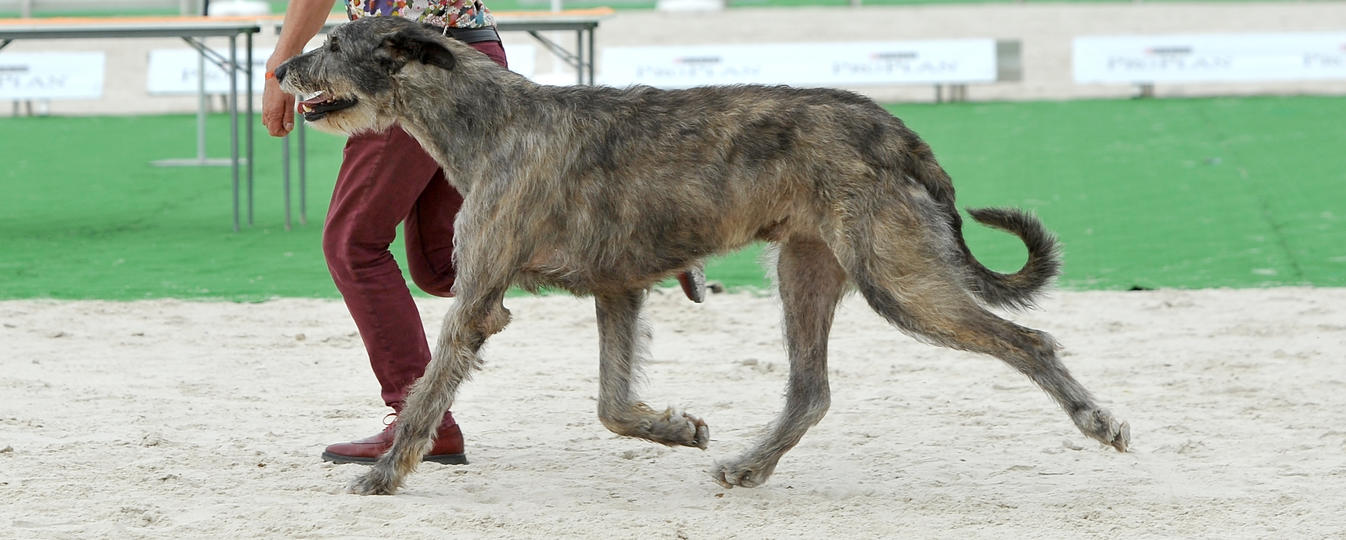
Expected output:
(174, 419)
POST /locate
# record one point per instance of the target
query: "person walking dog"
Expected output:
(386, 178)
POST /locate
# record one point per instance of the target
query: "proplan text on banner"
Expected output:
(1210, 58)
(803, 64)
(52, 75)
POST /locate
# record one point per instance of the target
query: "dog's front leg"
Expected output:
(466, 327)
(622, 335)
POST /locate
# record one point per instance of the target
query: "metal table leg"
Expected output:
(233, 122)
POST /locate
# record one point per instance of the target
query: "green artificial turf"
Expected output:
(1179, 193)
(1188, 193)
(1159, 193)
(86, 215)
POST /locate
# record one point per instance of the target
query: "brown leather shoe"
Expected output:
(448, 447)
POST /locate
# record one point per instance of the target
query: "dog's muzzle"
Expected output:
(316, 107)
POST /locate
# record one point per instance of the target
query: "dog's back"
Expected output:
(651, 180)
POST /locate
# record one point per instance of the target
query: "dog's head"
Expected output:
(349, 84)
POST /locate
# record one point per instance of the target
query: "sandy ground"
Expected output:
(173, 419)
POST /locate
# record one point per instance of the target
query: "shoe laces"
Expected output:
(390, 419)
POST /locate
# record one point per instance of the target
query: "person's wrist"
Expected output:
(277, 58)
(270, 75)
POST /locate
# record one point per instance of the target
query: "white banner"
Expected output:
(174, 72)
(955, 61)
(1210, 58)
(77, 75)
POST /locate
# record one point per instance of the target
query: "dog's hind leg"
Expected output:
(922, 297)
(811, 283)
(621, 341)
(467, 325)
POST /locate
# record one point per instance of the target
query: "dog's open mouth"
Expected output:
(320, 104)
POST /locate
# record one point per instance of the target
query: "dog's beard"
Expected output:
(331, 112)
(352, 120)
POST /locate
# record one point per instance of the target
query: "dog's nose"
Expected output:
(280, 73)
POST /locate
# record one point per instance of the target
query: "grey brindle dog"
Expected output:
(607, 192)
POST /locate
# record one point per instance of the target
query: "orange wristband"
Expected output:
(270, 75)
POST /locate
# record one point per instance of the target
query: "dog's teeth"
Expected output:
(306, 108)
(307, 97)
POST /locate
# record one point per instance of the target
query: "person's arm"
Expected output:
(303, 20)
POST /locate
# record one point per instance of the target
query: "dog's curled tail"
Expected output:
(1015, 290)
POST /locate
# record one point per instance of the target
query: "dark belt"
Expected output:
(474, 35)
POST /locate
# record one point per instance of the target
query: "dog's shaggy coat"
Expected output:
(606, 192)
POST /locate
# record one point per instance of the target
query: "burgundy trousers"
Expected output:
(386, 178)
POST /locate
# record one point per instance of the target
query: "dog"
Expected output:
(606, 192)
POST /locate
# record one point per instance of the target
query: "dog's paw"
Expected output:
(1100, 425)
(702, 439)
(373, 482)
(740, 474)
(677, 428)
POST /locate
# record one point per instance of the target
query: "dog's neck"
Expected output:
(474, 111)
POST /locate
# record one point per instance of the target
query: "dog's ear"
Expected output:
(420, 45)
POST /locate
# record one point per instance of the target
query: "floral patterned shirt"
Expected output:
(447, 13)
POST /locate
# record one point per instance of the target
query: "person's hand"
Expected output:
(277, 105)
(303, 20)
